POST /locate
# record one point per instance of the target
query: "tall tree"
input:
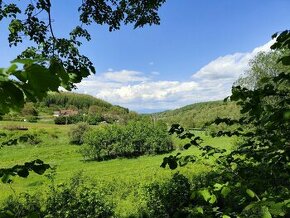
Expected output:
(262, 67)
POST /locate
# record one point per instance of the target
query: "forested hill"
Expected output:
(84, 104)
(78, 107)
(70, 99)
(196, 115)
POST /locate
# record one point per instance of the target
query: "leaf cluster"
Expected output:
(37, 166)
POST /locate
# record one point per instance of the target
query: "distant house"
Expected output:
(65, 113)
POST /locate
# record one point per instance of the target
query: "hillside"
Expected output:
(198, 114)
(78, 107)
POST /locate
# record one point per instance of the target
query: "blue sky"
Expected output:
(199, 49)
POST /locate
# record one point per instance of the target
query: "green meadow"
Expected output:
(124, 177)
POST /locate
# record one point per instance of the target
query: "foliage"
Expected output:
(33, 81)
(36, 166)
(133, 139)
(76, 200)
(72, 199)
(29, 110)
(94, 119)
(253, 179)
(24, 206)
(169, 199)
(263, 66)
(33, 20)
(77, 132)
(53, 62)
(71, 119)
(14, 139)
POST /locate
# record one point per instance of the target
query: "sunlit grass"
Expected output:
(124, 174)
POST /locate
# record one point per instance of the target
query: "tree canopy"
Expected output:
(262, 67)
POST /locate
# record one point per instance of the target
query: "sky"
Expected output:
(198, 51)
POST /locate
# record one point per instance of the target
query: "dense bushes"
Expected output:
(63, 120)
(134, 139)
(68, 200)
(76, 133)
(169, 199)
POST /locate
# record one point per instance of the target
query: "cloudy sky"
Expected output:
(144, 92)
(198, 51)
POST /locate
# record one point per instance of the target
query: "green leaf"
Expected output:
(12, 97)
(225, 191)
(199, 210)
(274, 35)
(40, 169)
(213, 199)
(265, 212)
(285, 60)
(12, 68)
(23, 61)
(56, 67)
(250, 193)
(205, 194)
(218, 186)
(23, 172)
(41, 80)
(187, 146)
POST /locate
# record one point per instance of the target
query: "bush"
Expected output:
(63, 120)
(94, 119)
(77, 132)
(131, 140)
(23, 206)
(29, 110)
(169, 199)
(68, 200)
(31, 119)
(76, 201)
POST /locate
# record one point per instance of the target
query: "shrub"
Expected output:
(131, 140)
(169, 199)
(68, 200)
(94, 119)
(29, 110)
(23, 206)
(77, 132)
(31, 119)
(63, 120)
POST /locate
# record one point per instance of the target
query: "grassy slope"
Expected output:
(124, 176)
(196, 115)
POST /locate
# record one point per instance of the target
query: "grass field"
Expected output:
(125, 176)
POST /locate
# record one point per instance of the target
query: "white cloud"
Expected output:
(135, 90)
(125, 76)
(229, 66)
